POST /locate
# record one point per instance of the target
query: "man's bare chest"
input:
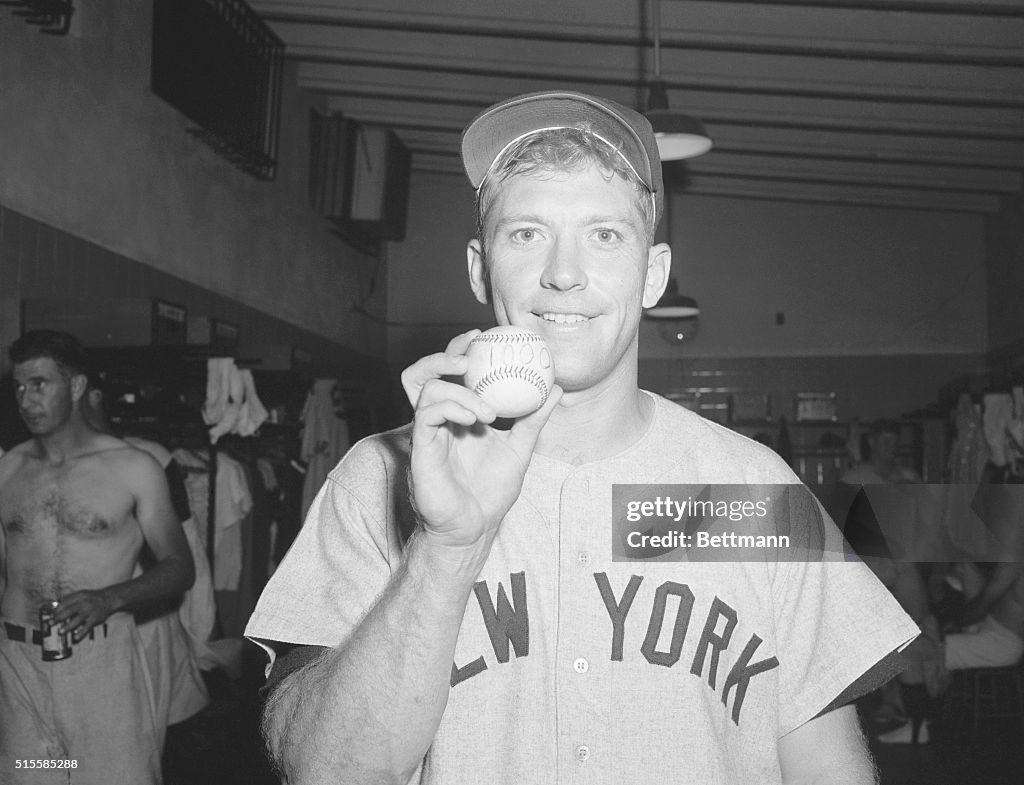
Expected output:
(81, 500)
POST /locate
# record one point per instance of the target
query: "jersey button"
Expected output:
(582, 753)
(583, 557)
(581, 665)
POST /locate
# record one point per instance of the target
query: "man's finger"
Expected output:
(427, 369)
(437, 390)
(66, 608)
(81, 631)
(435, 415)
(460, 343)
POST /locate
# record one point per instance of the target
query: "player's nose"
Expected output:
(564, 268)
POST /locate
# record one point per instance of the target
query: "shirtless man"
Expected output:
(76, 508)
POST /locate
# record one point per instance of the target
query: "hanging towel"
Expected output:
(252, 414)
(217, 370)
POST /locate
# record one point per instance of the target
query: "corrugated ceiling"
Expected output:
(915, 103)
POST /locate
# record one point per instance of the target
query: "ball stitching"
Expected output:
(503, 337)
(513, 372)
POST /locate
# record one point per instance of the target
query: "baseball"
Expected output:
(511, 369)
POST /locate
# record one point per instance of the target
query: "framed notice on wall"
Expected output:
(749, 407)
(816, 407)
(168, 323)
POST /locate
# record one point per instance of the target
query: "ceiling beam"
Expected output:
(962, 86)
(833, 115)
(849, 47)
(1008, 9)
(709, 185)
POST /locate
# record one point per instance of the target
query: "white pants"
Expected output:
(95, 708)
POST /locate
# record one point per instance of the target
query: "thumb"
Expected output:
(526, 430)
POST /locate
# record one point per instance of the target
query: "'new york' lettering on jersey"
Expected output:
(508, 627)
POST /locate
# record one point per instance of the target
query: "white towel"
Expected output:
(217, 370)
(253, 414)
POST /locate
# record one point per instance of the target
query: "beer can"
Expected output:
(56, 645)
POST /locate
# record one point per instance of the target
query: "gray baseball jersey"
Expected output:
(571, 667)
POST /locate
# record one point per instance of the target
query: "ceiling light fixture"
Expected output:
(675, 315)
(679, 135)
(673, 305)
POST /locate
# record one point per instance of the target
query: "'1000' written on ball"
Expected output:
(511, 369)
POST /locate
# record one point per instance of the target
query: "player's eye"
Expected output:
(607, 235)
(524, 235)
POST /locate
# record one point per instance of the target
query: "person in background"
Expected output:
(881, 464)
(983, 627)
(178, 685)
(987, 631)
(451, 611)
(874, 533)
(76, 509)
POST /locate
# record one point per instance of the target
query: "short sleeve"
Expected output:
(834, 621)
(340, 562)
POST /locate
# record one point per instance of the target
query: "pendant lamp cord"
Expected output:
(656, 24)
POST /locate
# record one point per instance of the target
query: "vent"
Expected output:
(380, 183)
(220, 65)
(331, 140)
(359, 179)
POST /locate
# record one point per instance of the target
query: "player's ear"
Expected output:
(659, 262)
(79, 383)
(479, 281)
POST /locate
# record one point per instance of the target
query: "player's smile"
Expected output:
(564, 318)
(554, 323)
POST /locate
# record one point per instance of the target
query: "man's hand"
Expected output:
(465, 474)
(80, 611)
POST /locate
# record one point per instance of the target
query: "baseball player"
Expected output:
(451, 611)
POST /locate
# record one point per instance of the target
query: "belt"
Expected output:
(19, 634)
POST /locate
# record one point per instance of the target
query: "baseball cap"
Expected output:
(497, 128)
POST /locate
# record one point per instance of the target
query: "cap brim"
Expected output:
(494, 129)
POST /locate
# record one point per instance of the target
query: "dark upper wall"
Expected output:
(87, 149)
(1006, 277)
(851, 281)
(882, 306)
